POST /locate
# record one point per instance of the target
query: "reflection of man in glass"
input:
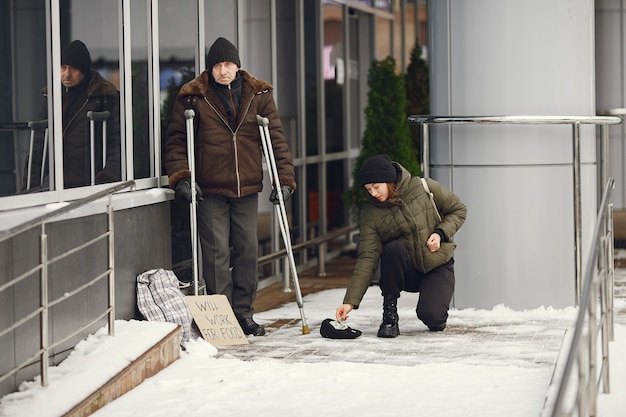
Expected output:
(84, 90)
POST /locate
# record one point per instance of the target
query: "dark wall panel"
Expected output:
(142, 242)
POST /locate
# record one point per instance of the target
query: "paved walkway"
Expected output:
(532, 338)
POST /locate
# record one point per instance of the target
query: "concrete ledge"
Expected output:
(155, 359)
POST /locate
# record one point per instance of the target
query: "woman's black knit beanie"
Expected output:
(377, 169)
(222, 51)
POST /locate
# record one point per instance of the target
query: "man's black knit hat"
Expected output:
(77, 55)
(377, 169)
(222, 51)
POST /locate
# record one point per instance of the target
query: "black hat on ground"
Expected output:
(332, 329)
(222, 51)
(76, 55)
(377, 169)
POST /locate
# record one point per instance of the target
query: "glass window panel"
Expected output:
(88, 156)
(220, 19)
(177, 37)
(287, 97)
(334, 76)
(142, 158)
(311, 68)
(255, 45)
(23, 70)
(336, 175)
(313, 200)
(176, 52)
(286, 84)
(357, 71)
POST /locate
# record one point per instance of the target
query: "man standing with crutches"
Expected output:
(228, 171)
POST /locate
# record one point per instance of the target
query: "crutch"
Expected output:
(36, 126)
(268, 151)
(191, 157)
(94, 116)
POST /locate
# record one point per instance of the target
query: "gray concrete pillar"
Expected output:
(611, 89)
(491, 57)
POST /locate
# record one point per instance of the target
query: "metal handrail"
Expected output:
(16, 230)
(319, 241)
(599, 277)
(42, 268)
(574, 121)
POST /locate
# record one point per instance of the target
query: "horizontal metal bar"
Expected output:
(77, 290)
(78, 248)
(309, 243)
(21, 321)
(461, 120)
(26, 362)
(13, 125)
(21, 277)
(91, 323)
(6, 234)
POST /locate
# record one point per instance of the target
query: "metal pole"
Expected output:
(280, 208)
(43, 330)
(193, 215)
(111, 281)
(425, 151)
(577, 210)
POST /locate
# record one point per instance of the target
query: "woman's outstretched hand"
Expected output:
(342, 311)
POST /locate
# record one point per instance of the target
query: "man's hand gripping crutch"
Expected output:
(268, 151)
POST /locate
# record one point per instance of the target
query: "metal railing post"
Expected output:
(46, 343)
(43, 330)
(425, 150)
(111, 267)
(577, 209)
(604, 146)
(611, 278)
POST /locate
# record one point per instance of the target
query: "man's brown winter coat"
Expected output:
(228, 163)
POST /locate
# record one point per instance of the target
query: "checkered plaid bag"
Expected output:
(159, 299)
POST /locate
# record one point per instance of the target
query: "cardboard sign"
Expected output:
(216, 320)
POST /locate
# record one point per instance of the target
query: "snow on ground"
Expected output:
(486, 363)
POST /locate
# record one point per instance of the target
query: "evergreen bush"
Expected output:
(386, 127)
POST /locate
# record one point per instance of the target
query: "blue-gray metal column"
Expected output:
(517, 247)
(611, 87)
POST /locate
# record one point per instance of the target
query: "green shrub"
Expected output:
(386, 130)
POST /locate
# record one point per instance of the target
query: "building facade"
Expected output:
(486, 58)
(315, 53)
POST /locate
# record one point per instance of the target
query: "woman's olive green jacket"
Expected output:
(411, 218)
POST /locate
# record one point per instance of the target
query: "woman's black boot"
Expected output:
(389, 326)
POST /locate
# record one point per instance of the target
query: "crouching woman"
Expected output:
(410, 236)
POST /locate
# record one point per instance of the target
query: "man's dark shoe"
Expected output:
(249, 326)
